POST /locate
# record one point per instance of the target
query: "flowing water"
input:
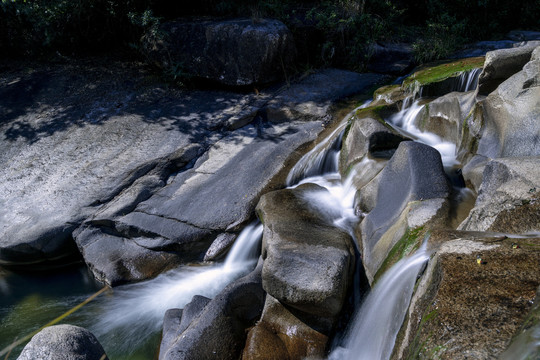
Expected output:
(372, 332)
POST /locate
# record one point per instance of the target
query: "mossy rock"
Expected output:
(389, 94)
(438, 79)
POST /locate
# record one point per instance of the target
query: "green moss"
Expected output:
(441, 71)
(417, 346)
(385, 90)
(405, 246)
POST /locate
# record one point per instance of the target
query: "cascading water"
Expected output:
(135, 312)
(372, 333)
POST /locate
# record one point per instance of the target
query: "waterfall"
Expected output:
(135, 312)
(373, 330)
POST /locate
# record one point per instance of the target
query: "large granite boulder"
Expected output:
(215, 329)
(504, 124)
(308, 261)
(508, 199)
(474, 295)
(500, 65)
(63, 342)
(411, 191)
(232, 52)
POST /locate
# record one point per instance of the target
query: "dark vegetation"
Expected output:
(328, 32)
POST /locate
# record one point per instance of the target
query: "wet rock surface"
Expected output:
(63, 342)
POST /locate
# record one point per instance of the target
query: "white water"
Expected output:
(372, 333)
(406, 120)
(468, 80)
(135, 312)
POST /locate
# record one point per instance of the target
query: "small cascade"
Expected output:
(405, 122)
(135, 312)
(372, 333)
(468, 80)
(324, 157)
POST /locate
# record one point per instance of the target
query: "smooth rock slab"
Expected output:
(308, 262)
(63, 342)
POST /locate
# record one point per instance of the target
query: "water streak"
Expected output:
(405, 121)
(135, 312)
(372, 333)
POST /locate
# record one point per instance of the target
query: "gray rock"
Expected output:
(444, 116)
(500, 65)
(232, 52)
(63, 342)
(61, 163)
(219, 331)
(366, 136)
(220, 246)
(176, 321)
(508, 199)
(389, 58)
(507, 120)
(410, 191)
(308, 262)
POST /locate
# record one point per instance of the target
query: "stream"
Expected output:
(127, 320)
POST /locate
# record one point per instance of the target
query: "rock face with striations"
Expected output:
(232, 52)
(63, 342)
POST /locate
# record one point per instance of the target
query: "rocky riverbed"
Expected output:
(105, 163)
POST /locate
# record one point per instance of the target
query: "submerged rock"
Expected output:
(63, 342)
(474, 295)
(232, 52)
(308, 261)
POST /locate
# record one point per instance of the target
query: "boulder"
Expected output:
(409, 192)
(391, 58)
(220, 246)
(444, 116)
(282, 335)
(308, 261)
(231, 52)
(366, 136)
(63, 342)
(473, 296)
(500, 65)
(505, 124)
(508, 199)
(176, 321)
(219, 330)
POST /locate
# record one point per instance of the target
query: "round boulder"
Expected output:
(63, 342)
